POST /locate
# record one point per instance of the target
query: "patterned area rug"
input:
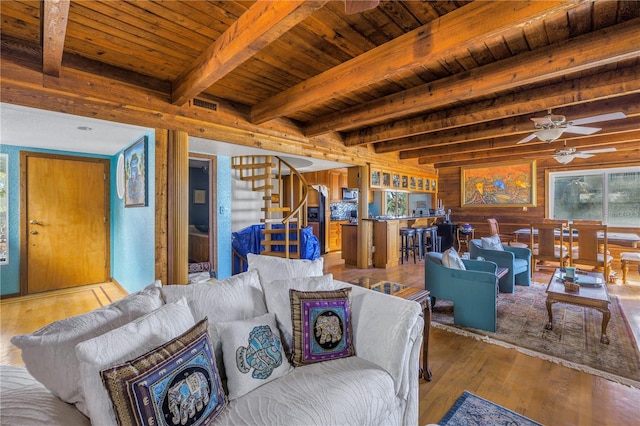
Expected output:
(470, 410)
(573, 342)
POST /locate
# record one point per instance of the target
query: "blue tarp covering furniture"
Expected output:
(249, 240)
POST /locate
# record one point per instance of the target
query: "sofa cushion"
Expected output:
(49, 353)
(321, 325)
(176, 383)
(234, 298)
(273, 268)
(122, 344)
(348, 391)
(452, 260)
(253, 353)
(492, 243)
(276, 294)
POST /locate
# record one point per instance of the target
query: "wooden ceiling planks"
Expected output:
(479, 72)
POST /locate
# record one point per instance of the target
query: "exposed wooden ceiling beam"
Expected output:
(261, 24)
(628, 148)
(55, 14)
(582, 90)
(446, 36)
(412, 146)
(595, 49)
(496, 148)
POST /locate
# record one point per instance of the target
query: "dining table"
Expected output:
(622, 238)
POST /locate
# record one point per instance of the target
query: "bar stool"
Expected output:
(431, 239)
(420, 240)
(407, 243)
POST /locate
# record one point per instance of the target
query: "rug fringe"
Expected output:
(580, 367)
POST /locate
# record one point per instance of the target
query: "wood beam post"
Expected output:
(363, 212)
(162, 204)
(178, 206)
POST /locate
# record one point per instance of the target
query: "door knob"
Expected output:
(33, 232)
(35, 222)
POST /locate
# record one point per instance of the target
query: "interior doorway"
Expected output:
(202, 214)
(64, 223)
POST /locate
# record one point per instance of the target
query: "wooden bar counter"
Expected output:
(350, 243)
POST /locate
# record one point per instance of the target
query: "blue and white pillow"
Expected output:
(253, 353)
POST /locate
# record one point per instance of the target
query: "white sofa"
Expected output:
(379, 385)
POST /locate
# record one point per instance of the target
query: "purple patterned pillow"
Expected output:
(321, 325)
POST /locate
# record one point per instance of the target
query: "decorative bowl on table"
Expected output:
(466, 229)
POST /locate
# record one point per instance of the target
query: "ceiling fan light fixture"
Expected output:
(549, 135)
(563, 159)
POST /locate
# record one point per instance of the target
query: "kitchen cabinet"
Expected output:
(350, 243)
(335, 234)
(337, 181)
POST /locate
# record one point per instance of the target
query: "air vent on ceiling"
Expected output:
(212, 106)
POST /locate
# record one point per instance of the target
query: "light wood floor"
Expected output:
(544, 391)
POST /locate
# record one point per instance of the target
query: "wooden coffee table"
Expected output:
(408, 293)
(592, 294)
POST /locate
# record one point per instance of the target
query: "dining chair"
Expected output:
(546, 243)
(588, 246)
(494, 229)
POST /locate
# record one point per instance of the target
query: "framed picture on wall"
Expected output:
(506, 184)
(135, 174)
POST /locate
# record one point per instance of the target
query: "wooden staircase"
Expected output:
(267, 175)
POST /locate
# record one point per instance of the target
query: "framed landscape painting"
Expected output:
(135, 174)
(506, 185)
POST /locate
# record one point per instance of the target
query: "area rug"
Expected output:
(573, 342)
(470, 410)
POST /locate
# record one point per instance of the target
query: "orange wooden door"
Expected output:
(66, 222)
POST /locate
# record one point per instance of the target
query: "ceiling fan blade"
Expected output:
(597, 151)
(542, 121)
(356, 6)
(582, 155)
(580, 130)
(598, 118)
(528, 138)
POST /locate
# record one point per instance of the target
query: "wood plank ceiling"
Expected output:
(438, 82)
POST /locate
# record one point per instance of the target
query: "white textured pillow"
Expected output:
(276, 293)
(273, 268)
(451, 259)
(234, 298)
(253, 353)
(49, 353)
(122, 344)
(492, 243)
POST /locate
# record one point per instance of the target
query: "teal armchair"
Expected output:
(472, 291)
(516, 259)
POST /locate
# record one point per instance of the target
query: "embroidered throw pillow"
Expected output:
(176, 383)
(492, 243)
(321, 325)
(451, 259)
(276, 294)
(253, 353)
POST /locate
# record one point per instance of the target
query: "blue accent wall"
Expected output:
(223, 234)
(133, 230)
(10, 272)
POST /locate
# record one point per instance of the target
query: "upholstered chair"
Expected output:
(516, 259)
(473, 290)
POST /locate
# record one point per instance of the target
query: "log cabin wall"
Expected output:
(512, 218)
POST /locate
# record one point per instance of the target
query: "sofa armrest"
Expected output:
(386, 330)
(519, 252)
(479, 265)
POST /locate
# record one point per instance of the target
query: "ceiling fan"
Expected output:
(566, 155)
(356, 6)
(553, 126)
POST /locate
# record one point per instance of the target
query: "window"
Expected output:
(611, 196)
(396, 203)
